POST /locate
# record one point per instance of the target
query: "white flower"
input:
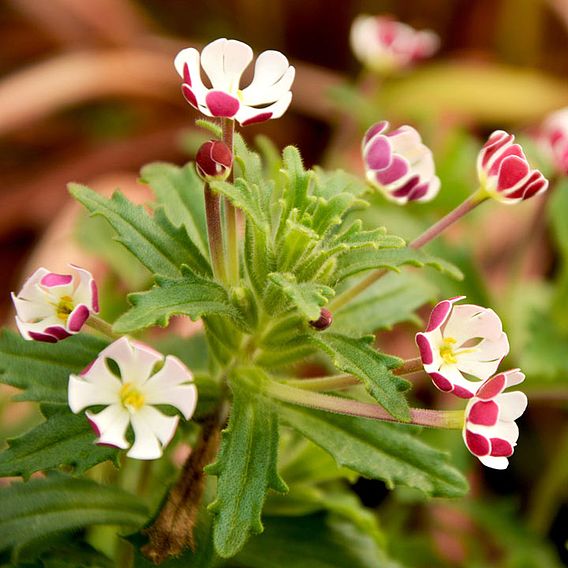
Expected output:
(490, 432)
(553, 139)
(385, 45)
(224, 62)
(146, 379)
(398, 164)
(461, 342)
(54, 306)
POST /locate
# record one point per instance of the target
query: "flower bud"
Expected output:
(324, 321)
(504, 171)
(553, 140)
(214, 161)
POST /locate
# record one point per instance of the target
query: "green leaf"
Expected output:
(42, 369)
(65, 439)
(43, 507)
(361, 260)
(392, 299)
(378, 450)
(64, 555)
(180, 191)
(314, 541)
(191, 295)
(154, 241)
(246, 466)
(307, 297)
(358, 357)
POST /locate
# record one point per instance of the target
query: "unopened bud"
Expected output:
(324, 321)
(214, 161)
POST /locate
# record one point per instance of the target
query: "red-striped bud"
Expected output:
(214, 161)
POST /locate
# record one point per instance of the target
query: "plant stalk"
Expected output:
(102, 326)
(449, 419)
(215, 232)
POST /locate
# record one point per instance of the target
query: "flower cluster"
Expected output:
(385, 45)
(461, 349)
(398, 164)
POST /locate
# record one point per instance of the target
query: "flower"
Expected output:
(553, 139)
(214, 161)
(52, 306)
(504, 172)
(398, 164)
(385, 45)
(139, 379)
(490, 432)
(461, 340)
(324, 321)
(224, 62)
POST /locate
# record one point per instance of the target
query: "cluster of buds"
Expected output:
(385, 45)
(461, 350)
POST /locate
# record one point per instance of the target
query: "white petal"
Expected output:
(488, 350)
(494, 462)
(453, 374)
(111, 423)
(30, 290)
(83, 394)
(83, 293)
(32, 310)
(511, 405)
(190, 57)
(406, 141)
(38, 327)
(273, 77)
(513, 377)
(224, 61)
(479, 369)
(152, 431)
(277, 109)
(508, 431)
(469, 321)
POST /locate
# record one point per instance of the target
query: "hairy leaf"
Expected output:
(180, 191)
(359, 358)
(42, 370)
(246, 466)
(361, 260)
(153, 240)
(65, 439)
(43, 507)
(378, 450)
(307, 297)
(191, 295)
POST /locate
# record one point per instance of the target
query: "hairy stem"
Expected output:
(470, 203)
(410, 366)
(215, 232)
(231, 213)
(102, 326)
(450, 419)
(172, 531)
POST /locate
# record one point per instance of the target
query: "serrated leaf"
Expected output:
(246, 467)
(42, 370)
(378, 451)
(358, 357)
(180, 191)
(191, 295)
(153, 240)
(392, 299)
(43, 507)
(65, 439)
(361, 260)
(298, 179)
(307, 297)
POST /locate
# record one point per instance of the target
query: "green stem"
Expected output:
(214, 232)
(470, 203)
(450, 419)
(102, 326)
(231, 213)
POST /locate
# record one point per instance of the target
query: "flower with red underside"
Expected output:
(140, 379)
(462, 345)
(504, 172)
(224, 62)
(385, 45)
(553, 138)
(398, 164)
(490, 432)
(214, 161)
(52, 306)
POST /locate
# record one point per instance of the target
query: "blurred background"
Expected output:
(88, 93)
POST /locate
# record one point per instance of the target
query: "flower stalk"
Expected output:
(214, 232)
(102, 326)
(448, 419)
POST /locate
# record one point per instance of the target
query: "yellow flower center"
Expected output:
(447, 351)
(131, 398)
(64, 307)
(240, 95)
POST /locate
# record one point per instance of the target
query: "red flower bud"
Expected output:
(324, 321)
(214, 161)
